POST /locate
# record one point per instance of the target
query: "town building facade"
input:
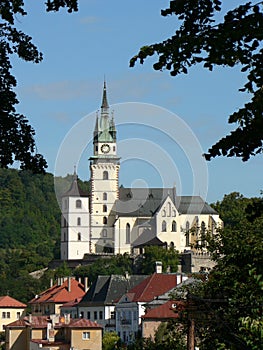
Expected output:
(10, 310)
(53, 332)
(118, 220)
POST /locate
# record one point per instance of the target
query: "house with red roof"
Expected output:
(49, 302)
(171, 310)
(132, 305)
(53, 332)
(10, 310)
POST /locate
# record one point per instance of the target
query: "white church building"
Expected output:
(118, 220)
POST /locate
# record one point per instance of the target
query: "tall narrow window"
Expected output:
(169, 209)
(105, 220)
(79, 236)
(78, 221)
(164, 226)
(128, 233)
(105, 175)
(104, 208)
(174, 228)
(105, 196)
(78, 203)
(187, 234)
(104, 232)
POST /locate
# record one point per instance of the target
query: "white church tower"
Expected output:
(75, 223)
(104, 176)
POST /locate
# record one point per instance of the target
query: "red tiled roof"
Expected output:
(60, 293)
(83, 323)
(153, 286)
(47, 342)
(71, 303)
(7, 301)
(165, 311)
(42, 321)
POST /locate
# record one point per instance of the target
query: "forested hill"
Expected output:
(30, 214)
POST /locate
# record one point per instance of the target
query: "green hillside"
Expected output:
(29, 224)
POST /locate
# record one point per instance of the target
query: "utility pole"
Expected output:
(191, 323)
(191, 334)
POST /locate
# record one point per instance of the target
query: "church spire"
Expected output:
(104, 105)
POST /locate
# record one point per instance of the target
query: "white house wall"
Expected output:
(75, 228)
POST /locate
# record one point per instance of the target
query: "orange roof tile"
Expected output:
(165, 311)
(60, 294)
(42, 321)
(83, 323)
(7, 301)
(153, 286)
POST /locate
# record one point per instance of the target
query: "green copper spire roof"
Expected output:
(104, 104)
(105, 130)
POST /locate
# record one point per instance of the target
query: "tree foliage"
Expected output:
(114, 265)
(146, 263)
(203, 39)
(17, 141)
(232, 298)
(169, 335)
(110, 341)
(29, 229)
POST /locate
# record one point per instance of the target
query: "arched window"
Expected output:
(169, 209)
(105, 175)
(65, 222)
(78, 221)
(163, 212)
(164, 226)
(172, 245)
(187, 234)
(174, 228)
(128, 233)
(104, 232)
(104, 208)
(79, 236)
(78, 203)
(105, 220)
(105, 196)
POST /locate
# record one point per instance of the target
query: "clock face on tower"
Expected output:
(105, 148)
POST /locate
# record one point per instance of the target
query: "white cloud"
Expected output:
(61, 90)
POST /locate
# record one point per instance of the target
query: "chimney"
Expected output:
(69, 284)
(158, 267)
(67, 318)
(51, 282)
(79, 279)
(30, 318)
(86, 287)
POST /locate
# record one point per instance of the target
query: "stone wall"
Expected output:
(196, 262)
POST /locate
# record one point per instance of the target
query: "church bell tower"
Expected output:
(104, 172)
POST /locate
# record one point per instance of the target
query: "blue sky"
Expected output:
(80, 48)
